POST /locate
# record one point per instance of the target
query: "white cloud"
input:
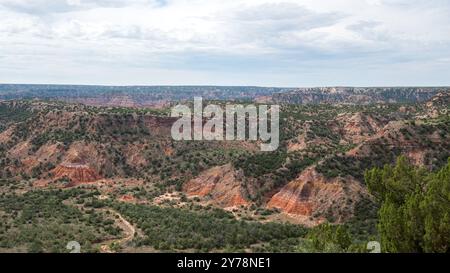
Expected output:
(218, 38)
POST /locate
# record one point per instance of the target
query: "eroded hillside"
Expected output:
(127, 156)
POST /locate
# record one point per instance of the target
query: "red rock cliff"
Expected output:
(218, 185)
(311, 194)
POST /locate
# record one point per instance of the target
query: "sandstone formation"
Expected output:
(359, 126)
(219, 185)
(77, 174)
(312, 194)
(77, 166)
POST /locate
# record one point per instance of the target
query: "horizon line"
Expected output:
(218, 85)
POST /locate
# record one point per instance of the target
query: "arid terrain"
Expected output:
(100, 167)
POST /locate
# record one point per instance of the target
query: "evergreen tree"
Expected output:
(415, 207)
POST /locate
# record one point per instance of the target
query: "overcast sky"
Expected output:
(226, 42)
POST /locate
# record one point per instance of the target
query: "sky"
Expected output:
(286, 43)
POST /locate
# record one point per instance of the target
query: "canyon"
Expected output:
(318, 176)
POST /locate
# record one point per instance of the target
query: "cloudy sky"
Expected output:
(226, 42)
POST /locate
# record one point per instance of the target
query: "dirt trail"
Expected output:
(128, 230)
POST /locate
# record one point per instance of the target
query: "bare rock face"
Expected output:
(438, 105)
(311, 194)
(77, 165)
(219, 185)
(360, 126)
(77, 174)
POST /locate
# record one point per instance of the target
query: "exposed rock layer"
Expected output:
(220, 185)
(312, 194)
(77, 174)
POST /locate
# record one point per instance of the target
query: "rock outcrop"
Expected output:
(76, 166)
(76, 174)
(438, 105)
(219, 185)
(311, 194)
(360, 126)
